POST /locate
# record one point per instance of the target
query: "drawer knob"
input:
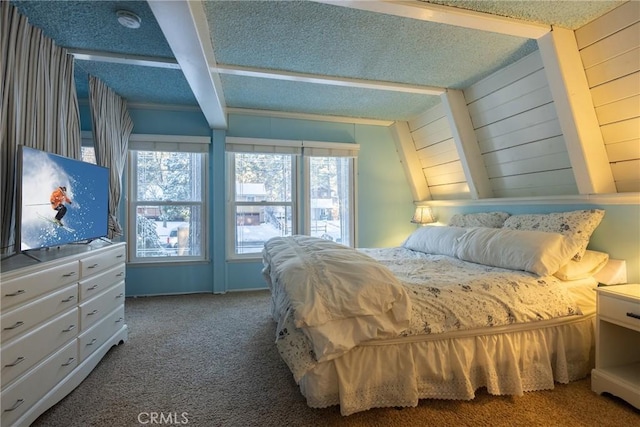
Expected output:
(15, 325)
(92, 287)
(120, 295)
(119, 320)
(69, 329)
(119, 256)
(69, 298)
(120, 274)
(18, 361)
(92, 313)
(93, 266)
(73, 273)
(634, 315)
(15, 405)
(93, 341)
(16, 293)
(69, 361)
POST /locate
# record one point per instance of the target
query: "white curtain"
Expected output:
(112, 127)
(39, 106)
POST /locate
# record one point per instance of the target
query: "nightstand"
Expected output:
(617, 368)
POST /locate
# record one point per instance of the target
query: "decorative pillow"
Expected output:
(576, 224)
(436, 240)
(482, 219)
(591, 263)
(534, 251)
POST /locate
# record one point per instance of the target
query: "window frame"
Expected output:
(175, 144)
(301, 151)
(232, 203)
(352, 195)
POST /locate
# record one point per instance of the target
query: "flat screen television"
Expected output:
(62, 200)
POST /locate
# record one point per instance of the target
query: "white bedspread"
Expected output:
(328, 282)
(446, 294)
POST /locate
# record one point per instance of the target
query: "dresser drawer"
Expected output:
(98, 283)
(621, 311)
(94, 264)
(27, 316)
(18, 398)
(24, 288)
(92, 339)
(24, 352)
(93, 310)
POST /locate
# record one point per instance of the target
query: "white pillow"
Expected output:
(578, 225)
(435, 240)
(538, 252)
(591, 263)
(481, 219)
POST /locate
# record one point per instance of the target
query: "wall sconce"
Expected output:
(423, 215)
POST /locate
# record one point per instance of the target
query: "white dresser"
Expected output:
(617, 368)
(59, 317)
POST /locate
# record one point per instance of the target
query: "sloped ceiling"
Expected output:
(321, 58)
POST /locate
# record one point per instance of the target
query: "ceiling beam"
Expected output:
(448, 15)
(185, 27)
(121, 58)
(309, 116)
(576, 113)
(236, 70)
(326, 80)
(464, 136)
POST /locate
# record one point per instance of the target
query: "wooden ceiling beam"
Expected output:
(184, 25)
(326, 80)
(448, 15)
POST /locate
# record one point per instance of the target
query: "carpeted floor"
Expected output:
(210, 360)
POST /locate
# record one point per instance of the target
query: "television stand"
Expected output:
(61, 314)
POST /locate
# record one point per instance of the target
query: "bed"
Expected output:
(451, 310)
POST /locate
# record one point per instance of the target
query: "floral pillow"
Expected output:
(576, 224)
(482, 219)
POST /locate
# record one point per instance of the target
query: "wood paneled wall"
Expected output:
(518, 132)
(438, 155)
(610, 51)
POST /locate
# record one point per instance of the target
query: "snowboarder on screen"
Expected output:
(58, 199)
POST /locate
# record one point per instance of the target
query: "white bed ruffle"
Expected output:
(402, 371)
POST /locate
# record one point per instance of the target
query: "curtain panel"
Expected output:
(112, 127)
(39, 107)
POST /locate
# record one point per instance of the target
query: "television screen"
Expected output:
(63, 200)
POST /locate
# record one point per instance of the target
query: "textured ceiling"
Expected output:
(571, 14)
(336, 41)
(301, 38)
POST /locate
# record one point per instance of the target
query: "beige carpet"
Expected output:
(210, 360)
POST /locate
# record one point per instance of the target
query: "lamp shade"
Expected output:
(423, 215)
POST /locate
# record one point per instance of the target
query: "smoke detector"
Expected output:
(128, 19)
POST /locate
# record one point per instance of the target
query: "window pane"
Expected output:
(157, 237)
(257, 224)
(263, 177)
(330, 198)
(170, 176)
(88, 154)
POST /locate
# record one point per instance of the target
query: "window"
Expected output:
(167, 194)
(264, 199)
(330, 181)
(267, 200)
(88, 154)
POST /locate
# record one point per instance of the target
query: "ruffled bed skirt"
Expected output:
(400, 372)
